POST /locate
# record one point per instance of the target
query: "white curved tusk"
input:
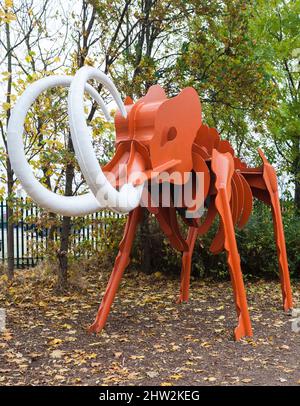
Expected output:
(64, 205)
(129, 196)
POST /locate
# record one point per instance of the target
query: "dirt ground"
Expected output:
(149, 339)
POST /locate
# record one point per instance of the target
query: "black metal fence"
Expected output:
(32, 236)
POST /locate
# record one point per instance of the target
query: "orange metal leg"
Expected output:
(121, 263)
(270, 179)
(223, 167)
(186, 265)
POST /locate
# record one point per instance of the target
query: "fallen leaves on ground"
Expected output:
(149, 339)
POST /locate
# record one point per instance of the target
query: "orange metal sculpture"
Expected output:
(161, 135)
(159, 141)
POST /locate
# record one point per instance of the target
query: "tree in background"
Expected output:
(218, 58)
(36, 44)
(275, 30)
(238, 55)
(243, 58)
(19, 30)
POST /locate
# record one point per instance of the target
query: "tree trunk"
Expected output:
(296, 170)
(62, 277)
(82, 53)
(10, 224)
(9, 171)
(296, 173)
(297, 192)
(62, 254)
(145, 243)
(52, 228)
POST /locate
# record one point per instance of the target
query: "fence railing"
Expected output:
(32, 236)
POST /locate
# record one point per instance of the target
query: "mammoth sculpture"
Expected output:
(159, 141)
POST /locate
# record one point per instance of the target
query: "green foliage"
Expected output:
(101, 241)
(275, 29)
(218, 59)
(255, 242)
(257, 245)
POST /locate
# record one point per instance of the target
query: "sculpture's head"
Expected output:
(157, 134)
(153, 135)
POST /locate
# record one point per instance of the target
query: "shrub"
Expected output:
(255, 242)
(256, 245)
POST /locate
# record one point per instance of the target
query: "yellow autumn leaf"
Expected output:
(9, 3)
(91, 356)
(4, 278)
(6, 74)
(176, 377)
(55, 341)
(6, 106)
(158, 275)
(7, 17)
(67, 326)
(205, 344)
(7, 335)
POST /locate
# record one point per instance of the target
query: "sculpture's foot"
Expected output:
(182, 299)
(96, 327)
(242, 330)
